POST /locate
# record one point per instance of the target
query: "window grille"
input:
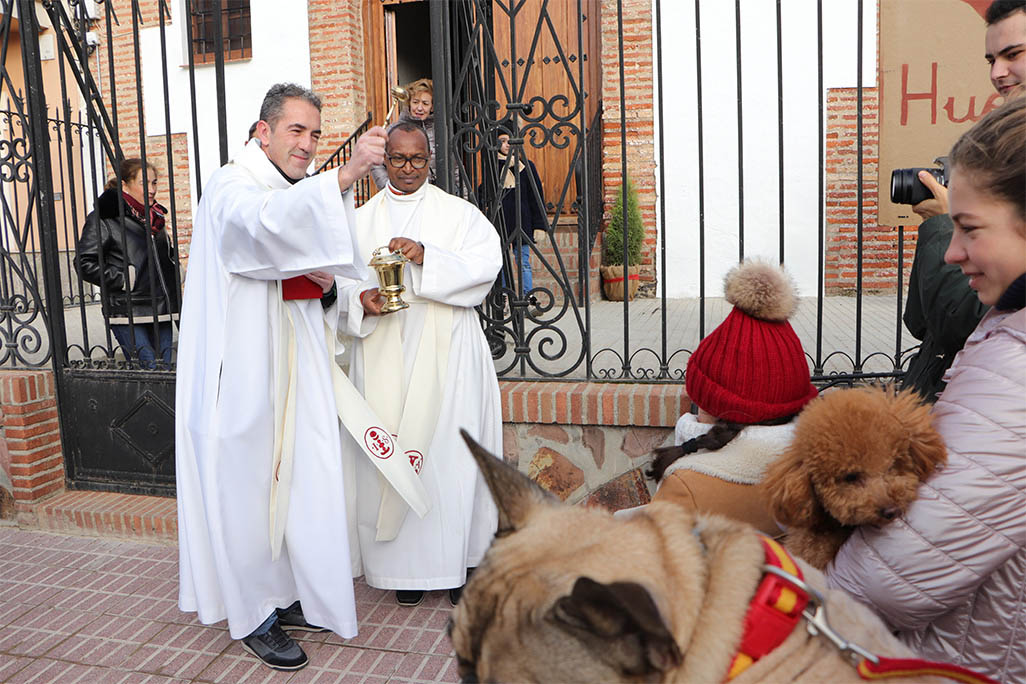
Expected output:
(237, 37)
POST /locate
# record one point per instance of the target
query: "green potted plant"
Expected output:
(614, 275)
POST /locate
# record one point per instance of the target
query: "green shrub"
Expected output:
(612, 241)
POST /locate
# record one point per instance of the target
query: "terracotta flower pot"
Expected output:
(613, 282)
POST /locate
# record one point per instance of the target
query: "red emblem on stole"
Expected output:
(416, 460)
(378, 442)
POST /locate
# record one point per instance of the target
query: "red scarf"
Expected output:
(138, 212)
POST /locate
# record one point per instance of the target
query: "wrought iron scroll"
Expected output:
(539, 330)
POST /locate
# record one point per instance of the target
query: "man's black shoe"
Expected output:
(406, 597)
(276, 649)
(293, 618)
(454, 596)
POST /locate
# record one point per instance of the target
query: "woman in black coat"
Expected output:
(134, 265)
(520, 173)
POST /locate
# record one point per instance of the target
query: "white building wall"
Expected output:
(281, 52)
(719, 119)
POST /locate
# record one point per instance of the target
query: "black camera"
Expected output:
(906, 188)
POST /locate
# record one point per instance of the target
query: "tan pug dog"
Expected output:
(572, 594)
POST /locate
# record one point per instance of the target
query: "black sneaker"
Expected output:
(276, 649)
(409, 597)
(293, 618)
(454, 596)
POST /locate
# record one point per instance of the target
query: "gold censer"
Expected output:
(390, 267)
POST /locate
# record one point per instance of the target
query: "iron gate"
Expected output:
(528, 69)
(65, 136)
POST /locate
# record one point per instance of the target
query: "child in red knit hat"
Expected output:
(748, 378)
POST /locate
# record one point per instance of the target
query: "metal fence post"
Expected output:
(46, 223)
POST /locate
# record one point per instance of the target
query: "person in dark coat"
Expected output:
(942, 309)
(135, 265)
(531, 210)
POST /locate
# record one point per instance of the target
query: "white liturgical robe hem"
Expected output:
(460, 266)
(251, 229)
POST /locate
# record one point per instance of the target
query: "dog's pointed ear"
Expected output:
(788, 486)
(514, 493)
(624, 619)
(926, 449)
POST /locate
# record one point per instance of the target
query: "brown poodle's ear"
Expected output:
(788, 486)
(926, 449)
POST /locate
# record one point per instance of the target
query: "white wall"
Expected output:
(281, 52)
(719, 119)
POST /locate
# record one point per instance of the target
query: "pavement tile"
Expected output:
(12, 611)
(47, 671)
(416, 667)
(178, 651)
(94, 610)
(156, 609)
(91, 650)
(84, 599)
(10, 664)
(237, 665)
(121, 677)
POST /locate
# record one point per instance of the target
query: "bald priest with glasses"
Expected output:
(426, 371)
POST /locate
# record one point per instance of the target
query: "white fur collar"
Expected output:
(743, 460)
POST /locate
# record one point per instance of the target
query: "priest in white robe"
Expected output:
(427, 372)
(262, 514)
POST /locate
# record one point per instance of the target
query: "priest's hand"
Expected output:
(411, 249)
(372, 301)
(369, 151)
(322, 279)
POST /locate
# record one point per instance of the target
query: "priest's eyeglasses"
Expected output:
(398, 161)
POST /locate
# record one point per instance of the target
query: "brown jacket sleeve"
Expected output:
(706, 494)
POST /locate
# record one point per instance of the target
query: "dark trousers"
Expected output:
(143, 346)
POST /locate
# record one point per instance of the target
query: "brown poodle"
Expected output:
(857, 458)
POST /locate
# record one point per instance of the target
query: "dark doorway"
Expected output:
(412, 41)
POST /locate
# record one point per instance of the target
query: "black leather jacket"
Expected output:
(153, 291)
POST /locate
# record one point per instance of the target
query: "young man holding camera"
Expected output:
(942, 310)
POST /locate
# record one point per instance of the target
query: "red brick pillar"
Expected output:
(639, 114)
(30, 439)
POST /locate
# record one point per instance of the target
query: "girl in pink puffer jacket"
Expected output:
(950, 575)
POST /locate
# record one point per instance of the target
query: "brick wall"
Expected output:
(879, 243)
(336, 68)
(31, 436)
(156, 151)
(640, 126)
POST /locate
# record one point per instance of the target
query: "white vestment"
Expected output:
(252, 229)
(461, 259)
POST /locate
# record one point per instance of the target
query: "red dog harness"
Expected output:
(783, 599)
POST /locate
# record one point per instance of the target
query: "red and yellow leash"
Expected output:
(783, 599)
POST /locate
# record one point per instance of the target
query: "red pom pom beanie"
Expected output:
(752, 367)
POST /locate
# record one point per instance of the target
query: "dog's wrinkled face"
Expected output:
(551, 603)
(865, 451)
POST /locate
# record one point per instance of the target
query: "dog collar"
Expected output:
(783, 599)
(774, 611)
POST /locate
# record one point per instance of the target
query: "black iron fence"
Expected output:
(521, 69)
(532, 71)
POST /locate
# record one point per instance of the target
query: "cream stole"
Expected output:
(412, 421)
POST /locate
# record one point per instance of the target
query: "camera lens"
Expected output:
(901, 185)
(906, 188)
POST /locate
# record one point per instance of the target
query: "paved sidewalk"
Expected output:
(87, 609)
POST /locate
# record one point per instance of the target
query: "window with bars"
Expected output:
(236, 34)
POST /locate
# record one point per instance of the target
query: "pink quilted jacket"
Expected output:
(950, 575)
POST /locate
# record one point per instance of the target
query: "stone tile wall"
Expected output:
(589, 442)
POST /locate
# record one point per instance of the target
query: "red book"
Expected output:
(300, 287)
